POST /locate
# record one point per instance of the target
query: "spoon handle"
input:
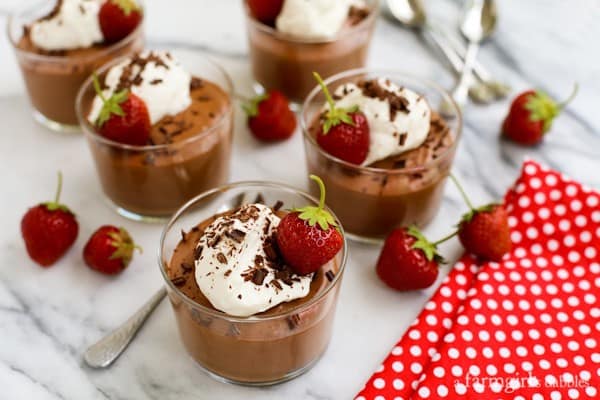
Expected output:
(461, 91)
(109, 348)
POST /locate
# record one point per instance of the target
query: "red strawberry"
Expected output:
(484, 231)
(109, 250)
(408, 261)
(270, 118)
(344, 132)
(531, 115)
(49, 230)
(265, 11)
(118, 18)
(124, 117)
(308, 237)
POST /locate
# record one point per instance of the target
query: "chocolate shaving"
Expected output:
(357, 14)
(278, 205)
(221, 258)
(236, 235)
(329, 275)
(270, 252)
(372, 88)
(276, 284)
(293, 321)
(198, 252)
(179, 281)
(129, 79)
(156, 81)
(227, 273)
(239, 296)
(259, 199)
(196, 83)
(402, 138)
(259, 276)
(183, 236)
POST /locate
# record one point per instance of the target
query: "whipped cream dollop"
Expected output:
(399, 119)
(237, 268)
(314, 19)
(154, 76)
(73, 24)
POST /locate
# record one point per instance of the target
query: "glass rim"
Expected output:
(252, 318)
(61, 58)
(89, 129)
(364, 24)
(304, 124)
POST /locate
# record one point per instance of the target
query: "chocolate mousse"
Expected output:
(60, 50)
(188, 146)
(304, 40)
(281, 321)
(401, 182)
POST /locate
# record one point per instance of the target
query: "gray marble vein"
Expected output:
(48, 316)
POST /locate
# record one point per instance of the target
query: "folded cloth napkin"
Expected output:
(525, 328)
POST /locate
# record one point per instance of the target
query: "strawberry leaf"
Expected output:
(127, 6)
(542, 108)
(251, 107)
(468, 216)
(334, 116)
(124, 246)
(314, 215)
(110, 106)
(421, 243)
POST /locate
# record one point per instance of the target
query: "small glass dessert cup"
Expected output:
(286, 63)
(263, 349)
(149, 183)
(372, 201)
(53, 79)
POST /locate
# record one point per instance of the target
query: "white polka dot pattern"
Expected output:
(525, 328)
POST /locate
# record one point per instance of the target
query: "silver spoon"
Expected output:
(478, 23)
(109, 348)
(104, 352)
(411, 14)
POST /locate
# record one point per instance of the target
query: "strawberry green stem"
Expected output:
(58, 188)
(321, 190)
(571, 96)
(325, 90)
(97, 87)
(445, 238)
(462, 191)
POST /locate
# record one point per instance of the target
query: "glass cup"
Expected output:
(286, 63)
(266, 348)
(149, 183)
(369, 201)
(53, 79)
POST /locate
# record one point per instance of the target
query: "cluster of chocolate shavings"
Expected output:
(257, 273)
(196, 83)
(357, 14)
(372, 88)
(130, 77)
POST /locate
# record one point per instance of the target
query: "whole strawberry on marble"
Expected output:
(49, 230)
(408, 261)
(531, 115)
(270, 118)
(124, 117)
(118, 18)
(109, 250)
(344, 133)
(308, 237)
(484, 231)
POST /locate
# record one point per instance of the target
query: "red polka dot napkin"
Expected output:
(525, 328)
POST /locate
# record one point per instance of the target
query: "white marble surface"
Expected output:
(47, 317)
